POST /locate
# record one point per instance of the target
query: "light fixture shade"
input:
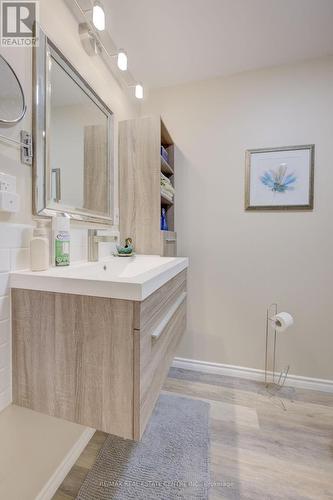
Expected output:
(98, 16)
(88, 40)
(122, 60)
(139, 91)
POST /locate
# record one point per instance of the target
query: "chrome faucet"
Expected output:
(93, 240)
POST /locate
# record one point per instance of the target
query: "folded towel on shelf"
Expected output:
(170, 189)
(164, 177)
(166, 184)
(166, 194)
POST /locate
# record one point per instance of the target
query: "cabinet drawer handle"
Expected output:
(159, 329)
(170, 240)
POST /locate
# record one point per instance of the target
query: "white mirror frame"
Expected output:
(41, 116)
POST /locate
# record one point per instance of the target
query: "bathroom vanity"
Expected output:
(93, 343)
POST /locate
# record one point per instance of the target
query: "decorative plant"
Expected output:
(278, 180)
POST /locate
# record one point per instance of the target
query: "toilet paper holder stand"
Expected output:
(276, 381)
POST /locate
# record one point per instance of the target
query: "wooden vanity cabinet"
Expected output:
(96, 361)
(159, 323)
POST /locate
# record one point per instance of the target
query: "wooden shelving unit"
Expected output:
(168, 169)
(141, 201)
(165, 202)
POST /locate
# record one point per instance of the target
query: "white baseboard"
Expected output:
(61, 472)
(316, 384)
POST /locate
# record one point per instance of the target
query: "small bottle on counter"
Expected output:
(61, 240)
(40, 247)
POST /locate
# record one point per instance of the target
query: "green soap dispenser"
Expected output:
(61, 239)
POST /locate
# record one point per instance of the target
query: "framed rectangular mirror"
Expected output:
(73, 130)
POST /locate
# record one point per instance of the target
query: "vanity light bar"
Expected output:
(96, 45)
(122, 60)
(139, 91)
(98, 16)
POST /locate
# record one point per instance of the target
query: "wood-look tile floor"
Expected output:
(260, 448)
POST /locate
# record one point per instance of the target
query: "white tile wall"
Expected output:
(4, 260)
(4, 282)
(4, 307)
(14, 254)
(19, 258)
(4, 331)
(79, 244)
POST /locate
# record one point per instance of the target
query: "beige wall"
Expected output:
(240, 261)
(59, 24)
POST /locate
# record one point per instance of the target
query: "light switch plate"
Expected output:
(7, 183)
(9, 202)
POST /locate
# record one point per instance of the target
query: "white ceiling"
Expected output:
(176, 41)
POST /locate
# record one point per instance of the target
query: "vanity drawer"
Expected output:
(156, 348)
(152, 309)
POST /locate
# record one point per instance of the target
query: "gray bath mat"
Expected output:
(170, 462)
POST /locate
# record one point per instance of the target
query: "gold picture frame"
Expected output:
(271, 179)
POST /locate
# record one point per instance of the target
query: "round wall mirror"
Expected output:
(12, 102)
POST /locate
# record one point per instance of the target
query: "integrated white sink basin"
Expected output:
(129, 278)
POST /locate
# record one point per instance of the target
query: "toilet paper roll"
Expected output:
(282, 321)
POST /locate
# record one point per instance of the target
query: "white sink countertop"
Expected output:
(128, 278)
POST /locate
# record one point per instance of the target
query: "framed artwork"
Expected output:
(280, 178)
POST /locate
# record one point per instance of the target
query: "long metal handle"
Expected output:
(57, 179)
(159, 329)
(170, 240)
